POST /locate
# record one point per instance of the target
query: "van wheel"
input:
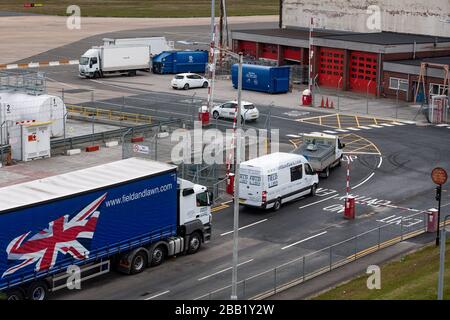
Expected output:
(14, 294)
(277, 205)
(158, 256)
(138, 263)
(325, 173)
(37, 291)
(340, 161)
(313, 190)
(195, 242)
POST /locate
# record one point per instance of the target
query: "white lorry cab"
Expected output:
(271, 180)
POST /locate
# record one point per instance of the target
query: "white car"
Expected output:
(227, 110)
(189, 80)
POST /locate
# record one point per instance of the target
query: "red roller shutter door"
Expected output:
(269, 51)
(247, 48)
(331, 67)
(363, 70)
(292, 53)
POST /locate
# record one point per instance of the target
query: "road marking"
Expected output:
(309, 238)
(399, 123)
(442, 125)
(330, 131)
(245, 227)
(381, 161)
(311, 204)
(367, 179)
(341, 130)
(293, 136)
(363, 127)
(408, 122)
(224, 270)
(375, 126)
(386, 124)
(157, 295)
(354, 129)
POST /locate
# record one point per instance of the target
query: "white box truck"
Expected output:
(100, 61)
(156, 44)
(271, 180)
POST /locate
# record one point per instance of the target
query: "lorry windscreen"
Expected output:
(84, 61)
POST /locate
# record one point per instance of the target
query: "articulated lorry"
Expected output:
(129, 214)
(100, 61)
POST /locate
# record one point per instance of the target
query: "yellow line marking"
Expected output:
(338, 120)
(312, 118)
(375, 120)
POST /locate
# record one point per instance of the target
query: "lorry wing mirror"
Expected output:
(210, 198)
(188, 192)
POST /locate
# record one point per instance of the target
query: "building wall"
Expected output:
(405, 16)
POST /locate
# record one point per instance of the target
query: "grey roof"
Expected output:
(377, 38)
(417, 62)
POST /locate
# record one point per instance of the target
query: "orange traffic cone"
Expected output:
(327, 103)
(322, 103)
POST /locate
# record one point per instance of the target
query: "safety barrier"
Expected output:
(38, 64)
(109, 114)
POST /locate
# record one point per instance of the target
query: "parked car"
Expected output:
(227, 110)
(189, 80)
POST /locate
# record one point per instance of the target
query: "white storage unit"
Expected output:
(31, 140)
(16, 107)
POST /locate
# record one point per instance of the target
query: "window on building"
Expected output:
(438, 89)
(398, 84)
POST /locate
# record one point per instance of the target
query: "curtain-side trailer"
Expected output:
(130, 214)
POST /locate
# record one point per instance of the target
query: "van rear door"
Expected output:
(251, 186)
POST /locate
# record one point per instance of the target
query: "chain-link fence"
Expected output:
(306, 267)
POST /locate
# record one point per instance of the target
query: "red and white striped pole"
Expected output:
(311, 54)
(212, 69)
(348, 178)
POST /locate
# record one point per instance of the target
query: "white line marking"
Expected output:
(311, 204)
(293, 136)
(442, 125)
(245, 227)
(367, 179)
(53, 63)
(375, 126)
(12, 66)
(74, 62)
(318, 133)
(341, 130)
(33, 65)
(309, 238)
(408, 122)
(399, 123)
(329, 131)
(386, 124)
(224, 270)
(363, 127)
(381, 161)
(157, 295)
(354, 129)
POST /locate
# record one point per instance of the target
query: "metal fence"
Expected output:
(309, 266)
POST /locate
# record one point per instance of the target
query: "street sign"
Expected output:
(141, 149)
(439, 176)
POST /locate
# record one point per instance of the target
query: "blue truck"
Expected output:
(172, 62)
(131, 214)
(262, 78)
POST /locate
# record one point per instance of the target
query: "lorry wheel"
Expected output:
(158, 255)
(216, 115)
(195, 242)
(205, 84)
(96, 75)
(277, 205)
(138, 263)
(186, 86)
(14, 294)
(37, 291)
(325, 173)
(313, 190)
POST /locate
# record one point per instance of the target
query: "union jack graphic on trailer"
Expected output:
(61, 236)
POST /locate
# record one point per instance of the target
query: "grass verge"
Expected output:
(412, 277)
(145, 8)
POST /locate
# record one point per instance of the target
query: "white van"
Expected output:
(271, 180)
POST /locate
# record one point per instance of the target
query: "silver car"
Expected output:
(227, 110)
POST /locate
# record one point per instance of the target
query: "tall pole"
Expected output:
(311, 54)
(438, 198)
(236, 183)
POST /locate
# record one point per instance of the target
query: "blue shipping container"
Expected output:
(171, 62)
(262, 78)
(43, 238)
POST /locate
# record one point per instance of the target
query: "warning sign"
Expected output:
(141, 149)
